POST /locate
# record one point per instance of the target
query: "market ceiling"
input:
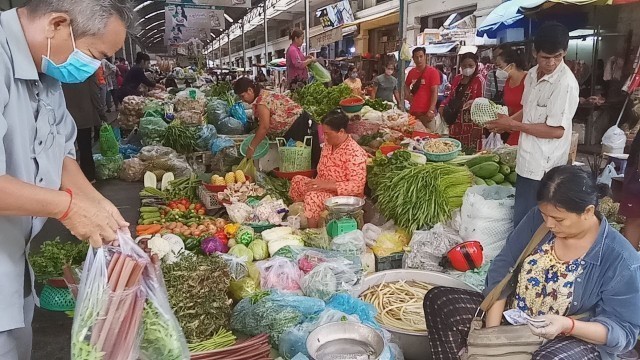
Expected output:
(151, 23)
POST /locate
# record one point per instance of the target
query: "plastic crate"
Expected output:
(208, 198)
(391, 262)
(57, 299)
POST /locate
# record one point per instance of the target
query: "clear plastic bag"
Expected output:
(108, 167)
(206, 136)
(328, 278)
(224, 160)
(243, 288)
(157, 152)
(389, 242)
(614, 140)
(132, 170)
(507, 154)
(273, 314)
(351, 242)
(122, 308)
(280, 273)
(238, 268)
(491, 142)
(607, 175)
(428, 247)
(230, 126)
(152, 129)
(216, 111)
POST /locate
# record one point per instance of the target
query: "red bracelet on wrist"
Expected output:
(66, 213)
(573, 326)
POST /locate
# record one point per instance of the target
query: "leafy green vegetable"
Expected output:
(276, 187)
(318, 100)
(383, 165)
(377, 104)
(182, 139)
(197, 288)
(159, 340)
(54, 255)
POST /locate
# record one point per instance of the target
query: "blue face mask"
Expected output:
(78, 67)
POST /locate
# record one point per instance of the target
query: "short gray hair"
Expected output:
(88, 17)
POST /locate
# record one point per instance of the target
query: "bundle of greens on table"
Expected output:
(318, 100)
(47, 263)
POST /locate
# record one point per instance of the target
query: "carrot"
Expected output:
(151, 230)
(143, 227)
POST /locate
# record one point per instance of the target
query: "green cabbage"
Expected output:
(241, 251)
(320, 74)
(259, 249)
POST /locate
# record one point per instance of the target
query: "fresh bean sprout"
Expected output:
(399, 304)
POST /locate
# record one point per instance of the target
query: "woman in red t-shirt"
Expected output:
(465, 130)
(510, 66)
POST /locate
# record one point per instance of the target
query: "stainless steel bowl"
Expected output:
(414, 345)
(345, 341)
(344, 204)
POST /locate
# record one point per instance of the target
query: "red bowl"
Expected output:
(352, 101)
(422, 134)
(386, 149)
(291, 175)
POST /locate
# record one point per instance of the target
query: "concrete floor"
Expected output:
(52, 330)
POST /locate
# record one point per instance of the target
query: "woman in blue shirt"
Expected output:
(582, 266)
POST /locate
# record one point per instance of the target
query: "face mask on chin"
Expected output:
(76, 69)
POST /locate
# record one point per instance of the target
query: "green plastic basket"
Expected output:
(295, 158)
(442, 157)
(57, 299)
(260, 152)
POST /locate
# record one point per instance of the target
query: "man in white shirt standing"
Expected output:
(545, 123)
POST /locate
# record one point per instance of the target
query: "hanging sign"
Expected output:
(335, 15)
(186, 22)
(326, 38)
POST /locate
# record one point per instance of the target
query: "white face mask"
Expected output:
(468, 71)
(502, 74)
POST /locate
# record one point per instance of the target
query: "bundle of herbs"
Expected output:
(197, 288)
(318, 100)
(54, 255)
(422, 196)
(383, 165)
(181, 138)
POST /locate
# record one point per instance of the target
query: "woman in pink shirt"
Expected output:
(296, 61)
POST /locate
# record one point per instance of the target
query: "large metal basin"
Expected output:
(414, 345)
(345, 340)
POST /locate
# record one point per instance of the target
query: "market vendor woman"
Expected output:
(278, 116)
(581, 267)
(342, 170)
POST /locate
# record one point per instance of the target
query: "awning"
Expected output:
(506, 15)
(434, 49)
(372, 17)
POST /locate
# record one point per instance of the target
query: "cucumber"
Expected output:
(149, 209)
(486, 170)
(490, 182)
(478, 181)
(482, 159)
(499, 178)
(150, 215)
(512, 178)
(151, 221)
(505, 170)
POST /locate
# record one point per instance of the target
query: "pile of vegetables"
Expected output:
(168, 247)
(230, 178)
(197, 288)
(378, 104)
(241, 192)
(423, 195)
(383, 165)
(181, 138)
(399, 304)
(47, 263)
(488, 170)
(222, 339)
(251, 349)
(318, 100)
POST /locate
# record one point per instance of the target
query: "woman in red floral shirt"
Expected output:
(342, 170)
(278, 116)
(467, 86)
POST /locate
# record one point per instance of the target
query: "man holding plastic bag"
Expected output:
(549, 102)
(44, 43)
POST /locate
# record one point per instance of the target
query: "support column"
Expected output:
(306, 26)
(402, 29)
(220, 51)
(244, 48)
(229, 47)
(266, 33)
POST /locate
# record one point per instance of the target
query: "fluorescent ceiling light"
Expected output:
(153, 13)
(228, 18)
(154, 24)
(142, 5)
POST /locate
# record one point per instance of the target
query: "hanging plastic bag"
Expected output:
(607, 175)
(614, 140)
(248, 167)
(108, 144)
(492, 142)
(405, 52)
(281, 274)
(321, 74)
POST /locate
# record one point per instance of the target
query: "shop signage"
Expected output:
(326, 38)
(185, 22)
(223, 3)
(335, 15)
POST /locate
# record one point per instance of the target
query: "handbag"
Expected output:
(416, 85)
(451, 111)
(498, 97)
(506, 342)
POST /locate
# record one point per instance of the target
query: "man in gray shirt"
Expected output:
(43, 43)
(385, 86)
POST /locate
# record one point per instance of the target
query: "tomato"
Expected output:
(198, 207)
(201, 212)
(184, 202)
(181, 208)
